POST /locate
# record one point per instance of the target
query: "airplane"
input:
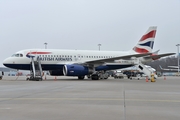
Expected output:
(174, 69)
(85, 62)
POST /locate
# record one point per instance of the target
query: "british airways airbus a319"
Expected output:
(85, 62)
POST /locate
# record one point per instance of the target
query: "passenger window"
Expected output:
(21, 55)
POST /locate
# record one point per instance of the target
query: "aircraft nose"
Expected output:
(7, 61)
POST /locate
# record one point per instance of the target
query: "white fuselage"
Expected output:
(53, 59)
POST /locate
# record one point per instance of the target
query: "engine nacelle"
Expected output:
(56, 72)
(76, 70)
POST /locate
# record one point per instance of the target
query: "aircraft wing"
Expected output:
(101, 61)
(165, 69)
(154, 57)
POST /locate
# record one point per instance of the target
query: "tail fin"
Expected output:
(145, 44)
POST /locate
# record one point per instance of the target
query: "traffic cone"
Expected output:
(146, 79)
(164, 77)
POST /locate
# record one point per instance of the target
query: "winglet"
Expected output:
(160, 67)
(156, 52)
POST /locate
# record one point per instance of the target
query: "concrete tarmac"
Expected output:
(67, 98)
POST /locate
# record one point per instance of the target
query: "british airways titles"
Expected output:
(55, 59)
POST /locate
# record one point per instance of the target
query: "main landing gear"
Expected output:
(100, 75)
(81, 77)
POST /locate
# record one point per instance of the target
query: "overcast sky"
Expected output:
(83, 24)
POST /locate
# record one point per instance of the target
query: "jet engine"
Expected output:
(76, 70)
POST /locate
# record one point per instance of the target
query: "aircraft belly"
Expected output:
(112, 67)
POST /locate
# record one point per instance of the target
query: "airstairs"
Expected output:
(141, 67)
(35, 69)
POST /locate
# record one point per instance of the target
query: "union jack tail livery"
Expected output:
(145, 44)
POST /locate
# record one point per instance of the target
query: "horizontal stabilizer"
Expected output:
(154, 57)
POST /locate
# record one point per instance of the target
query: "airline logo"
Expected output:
(146, 43)
(32, 54)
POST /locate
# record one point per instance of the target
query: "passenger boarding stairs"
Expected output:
(35, 69)
(142, 68)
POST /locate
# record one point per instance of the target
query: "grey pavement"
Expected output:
(67, 98)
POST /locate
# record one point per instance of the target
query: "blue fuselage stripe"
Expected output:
(60, 66)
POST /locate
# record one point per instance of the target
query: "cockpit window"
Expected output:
(17, 55)
(13, 55)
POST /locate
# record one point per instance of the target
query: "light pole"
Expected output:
(45, 45)
(178, 56)
(99, 46)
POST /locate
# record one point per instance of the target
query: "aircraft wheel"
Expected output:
(95, 77)
(80, 77)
